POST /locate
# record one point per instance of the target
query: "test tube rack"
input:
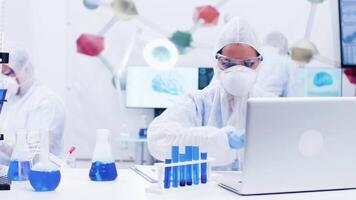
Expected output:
(158, 188)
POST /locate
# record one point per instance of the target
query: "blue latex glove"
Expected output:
(236, 139)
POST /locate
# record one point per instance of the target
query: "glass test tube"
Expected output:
(167, 174)
(175, 159)
(204, 168)
(195, 166)
(188, 168)
(182, 170)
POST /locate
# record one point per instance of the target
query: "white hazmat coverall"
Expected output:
(35, 107)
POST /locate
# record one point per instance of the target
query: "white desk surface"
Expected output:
(75, 184)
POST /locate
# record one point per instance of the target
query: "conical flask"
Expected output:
(103, 164)
(44, 176)
(20, 164)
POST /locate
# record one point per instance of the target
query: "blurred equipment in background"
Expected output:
(347, 19)
(150, 88)
(305, 50)
(4, 56)
(161, 53)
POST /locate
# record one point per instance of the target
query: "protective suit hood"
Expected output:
(19, 62)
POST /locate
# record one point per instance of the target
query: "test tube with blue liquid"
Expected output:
(167, 174)
(182, 170)
(188, 168)
(175, 159)
(195, 166)
(204, 168)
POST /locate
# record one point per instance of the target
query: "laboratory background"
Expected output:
(116, 65)
(51, 32)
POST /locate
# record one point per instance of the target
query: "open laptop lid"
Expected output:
(299, 144)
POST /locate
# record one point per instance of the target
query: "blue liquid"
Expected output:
(175, 159)
(167, 174)
(188, 174)
(175, 177)
(13, 172)
(102, 171)
(142, 133)
(189, 157)
(195, 166)
(196, 174)
(204, 168)
(182, 170)
(44, 181)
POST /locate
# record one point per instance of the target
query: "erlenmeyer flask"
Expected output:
(20, 164)
(103, 165)
(44, 176)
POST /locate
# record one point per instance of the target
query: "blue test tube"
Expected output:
(195, 166)
(188, 168)
(204, 168)
(175, 159)
(181, 170)
(167, 174)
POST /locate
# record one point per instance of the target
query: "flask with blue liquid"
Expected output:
(103, 164)
(44, 175)
(20, 163)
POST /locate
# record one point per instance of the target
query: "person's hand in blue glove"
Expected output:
(236, 139)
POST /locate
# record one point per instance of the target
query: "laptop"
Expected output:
(298, 145)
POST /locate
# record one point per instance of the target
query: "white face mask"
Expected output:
(238, 80)
(10, 84)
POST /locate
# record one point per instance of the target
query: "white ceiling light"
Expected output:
(160, 54)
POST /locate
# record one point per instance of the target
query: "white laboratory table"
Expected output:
(75, 184)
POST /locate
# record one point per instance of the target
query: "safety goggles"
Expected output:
(227, 62)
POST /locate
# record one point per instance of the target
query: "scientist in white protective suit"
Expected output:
(30, 106)
(278, 72)
(214, 118)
